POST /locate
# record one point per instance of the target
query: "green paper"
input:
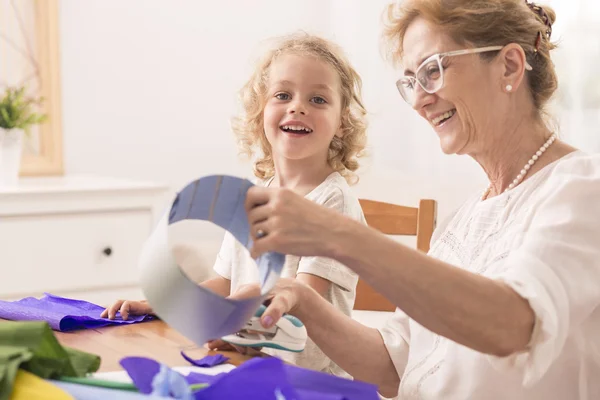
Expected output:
(32, 346)
(101, 383)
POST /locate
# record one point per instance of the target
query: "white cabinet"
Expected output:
(75, 236)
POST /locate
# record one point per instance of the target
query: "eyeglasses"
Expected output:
(430, 74)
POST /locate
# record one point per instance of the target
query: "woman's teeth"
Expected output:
(438, 120)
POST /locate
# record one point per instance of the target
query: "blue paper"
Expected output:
(259, 378)
(208, 361)
(311, 384)
(169, 383)
(220, 199)
(171, 294)
(142, 371)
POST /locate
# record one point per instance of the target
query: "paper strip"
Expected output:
(196, 312)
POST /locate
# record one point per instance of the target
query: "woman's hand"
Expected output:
(283, 221)
(285, 298)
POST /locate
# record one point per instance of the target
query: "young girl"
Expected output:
(304, 123)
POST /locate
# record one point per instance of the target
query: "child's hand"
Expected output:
(127, 308)
(219, 344)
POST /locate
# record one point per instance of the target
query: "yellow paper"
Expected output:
(28, 386)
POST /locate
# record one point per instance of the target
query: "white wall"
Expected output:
(149, 87)
(406, 162)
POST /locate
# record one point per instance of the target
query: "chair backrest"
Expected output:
(393, 219)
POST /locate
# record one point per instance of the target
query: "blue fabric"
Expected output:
(61, 313)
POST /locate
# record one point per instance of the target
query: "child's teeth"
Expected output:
(296, 128)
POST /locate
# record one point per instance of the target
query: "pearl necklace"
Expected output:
(526, 168)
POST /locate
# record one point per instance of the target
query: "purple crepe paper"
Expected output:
(142, 371)
(257, 379)
(208, 361)
(170, 384)
(61, 313)
(314, 385)
(261, 378)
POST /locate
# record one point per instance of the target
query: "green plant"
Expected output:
(17, 111)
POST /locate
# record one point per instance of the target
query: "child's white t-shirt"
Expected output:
(234, 263)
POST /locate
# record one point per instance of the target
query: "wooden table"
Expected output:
(153, 339)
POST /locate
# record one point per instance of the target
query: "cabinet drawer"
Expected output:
(71, 251)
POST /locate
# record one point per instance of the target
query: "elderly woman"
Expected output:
(506, 303)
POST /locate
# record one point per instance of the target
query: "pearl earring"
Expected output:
(508, 88)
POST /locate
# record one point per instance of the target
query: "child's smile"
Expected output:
(303, 99)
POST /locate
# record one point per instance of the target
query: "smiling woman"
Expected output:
(506, 303)
(29, 57)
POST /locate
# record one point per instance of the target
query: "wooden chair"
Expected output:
(392, 219)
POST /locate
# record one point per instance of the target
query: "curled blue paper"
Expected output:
(196, 312)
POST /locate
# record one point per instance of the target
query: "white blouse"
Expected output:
(543, 239)
(234, 263)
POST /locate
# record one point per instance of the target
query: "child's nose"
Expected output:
(297, 107)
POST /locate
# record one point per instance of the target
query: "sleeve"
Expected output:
(557, 269)
(327, 268)
(396, 337)
(224, 260)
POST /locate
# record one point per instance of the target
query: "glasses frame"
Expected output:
(439, 58)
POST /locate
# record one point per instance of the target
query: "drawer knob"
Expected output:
(107, 251)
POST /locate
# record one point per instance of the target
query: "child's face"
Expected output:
(302, 112)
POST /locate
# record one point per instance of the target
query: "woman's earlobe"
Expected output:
(515, 64)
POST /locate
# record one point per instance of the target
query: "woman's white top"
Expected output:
(543, 239)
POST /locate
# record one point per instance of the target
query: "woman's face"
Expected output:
(466, 111)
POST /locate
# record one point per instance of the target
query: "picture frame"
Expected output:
(30, 50)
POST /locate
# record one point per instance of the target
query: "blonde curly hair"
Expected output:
(249, 126)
